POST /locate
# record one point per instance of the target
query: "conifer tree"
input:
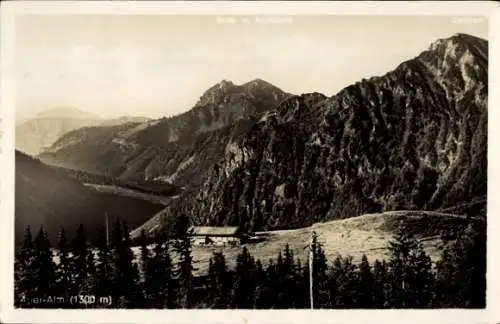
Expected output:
(302, 295)
(411, 277)
(125, 277)
(343, 283)
(334, 298)
(422, 285)
(243, 288)
(219, 282)
(90, 281)
(319, 273)
(79, 261)
(461, 272)
(146, 268)
(270, 300)
(261, 299)
(473, 265)
(289, 279)
(447, 294)
(365, 285)
(211, 284)
(25, 283)
(104, 267)
(163, 274)
(157, 277)
(381, 284)
(131, 272)
(280, 282)
(184, 269)
(145, 253)
(286, 280)
(401, 249)
(117, 243)
(43, 267)
(64, 269)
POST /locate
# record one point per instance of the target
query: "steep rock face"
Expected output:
(169, 149)
(415, 138)
(187, 165)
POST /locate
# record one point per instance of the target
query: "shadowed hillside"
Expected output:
(45, 196)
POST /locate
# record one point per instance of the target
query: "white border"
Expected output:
(10, 9)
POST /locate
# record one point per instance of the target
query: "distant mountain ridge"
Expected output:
(40, 132)
(413, 139)
(167, 148)
(66, 112)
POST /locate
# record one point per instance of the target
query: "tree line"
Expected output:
(164, 276)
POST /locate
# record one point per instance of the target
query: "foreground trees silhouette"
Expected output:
(163, 275)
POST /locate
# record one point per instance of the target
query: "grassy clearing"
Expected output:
(369, 235)
(366, 234)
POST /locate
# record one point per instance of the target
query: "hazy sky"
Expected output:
(160, 65)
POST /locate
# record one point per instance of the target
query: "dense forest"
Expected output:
(104, 274)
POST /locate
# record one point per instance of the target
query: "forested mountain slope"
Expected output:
(414, 139)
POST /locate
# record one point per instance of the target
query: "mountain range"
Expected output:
(176, 149)
(257, 156)
(412, 139)
(34, 135)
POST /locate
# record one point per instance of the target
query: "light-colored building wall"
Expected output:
(216, 240)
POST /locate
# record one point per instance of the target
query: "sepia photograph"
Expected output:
(252, 162)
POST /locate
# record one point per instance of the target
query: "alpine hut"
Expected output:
(218, 236)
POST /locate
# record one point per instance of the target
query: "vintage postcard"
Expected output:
(279, 162)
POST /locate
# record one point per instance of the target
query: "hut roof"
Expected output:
(215, 231)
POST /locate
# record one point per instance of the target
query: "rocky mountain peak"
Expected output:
(257, 83)
(224, 84)
(456, 47)
(216, 92)
(457, 40)
(458, 63)
(239, 99)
